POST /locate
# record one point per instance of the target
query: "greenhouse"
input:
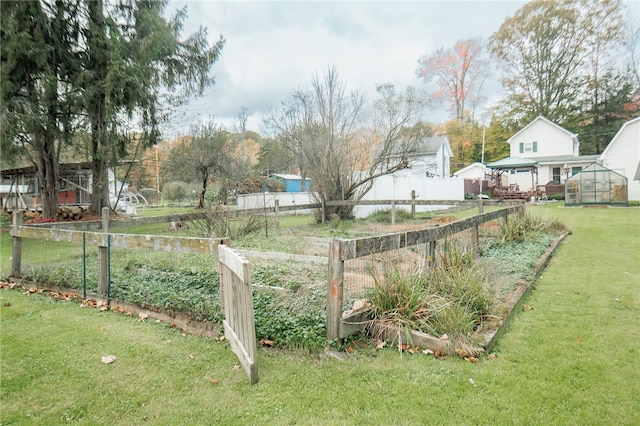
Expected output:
(596, 184)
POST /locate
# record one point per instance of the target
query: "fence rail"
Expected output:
(345, 249)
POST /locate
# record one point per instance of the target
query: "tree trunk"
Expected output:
(47, 172)
(203, 191)
(100, 186)
(98, 107)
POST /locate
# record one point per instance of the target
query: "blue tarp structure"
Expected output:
(293, 183)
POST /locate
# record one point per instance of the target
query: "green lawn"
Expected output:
(570, 357)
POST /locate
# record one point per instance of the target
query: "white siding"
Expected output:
(475, 171)
(623, 155)
(397, 187)
(551, 140)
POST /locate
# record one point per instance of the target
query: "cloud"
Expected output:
(274, 47)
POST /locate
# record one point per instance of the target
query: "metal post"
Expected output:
(108, 269)
(277, 213)
(103, 255)
(84, 266)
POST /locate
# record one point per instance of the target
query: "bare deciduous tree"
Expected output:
(340, 144)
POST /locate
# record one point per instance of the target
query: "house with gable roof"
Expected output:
(431, 158)
(622, 155)
(541, 153)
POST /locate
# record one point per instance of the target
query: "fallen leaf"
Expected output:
(427, 352)
(190, 356)
(444, 337)
(579, 338)
(100, 328)
(236, 367)
(183, 334)
(491, 356)
(471, 359)
(104, 308)
(380, 344)
(108, 359)
(142, 316)
(220, 339)
(213, 381)
(413, 350)
(403, 346)
(7, 304)
(350, 349)
(266, 343)
(471, 381)
(379, 384)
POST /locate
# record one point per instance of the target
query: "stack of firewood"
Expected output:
(71, 213)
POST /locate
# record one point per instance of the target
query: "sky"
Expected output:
(275, 47)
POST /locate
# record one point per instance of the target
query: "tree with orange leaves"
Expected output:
(459, 72)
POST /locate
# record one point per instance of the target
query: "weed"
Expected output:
(384, 216)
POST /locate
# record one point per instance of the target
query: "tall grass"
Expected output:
(519, 228)
(449, 298)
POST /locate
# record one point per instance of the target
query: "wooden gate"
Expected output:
(237, 306)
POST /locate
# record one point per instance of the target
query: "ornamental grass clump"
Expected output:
(449, 298)
(526, 227)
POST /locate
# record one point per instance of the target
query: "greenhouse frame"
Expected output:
(596, 185)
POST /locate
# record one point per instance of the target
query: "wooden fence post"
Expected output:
(480, 206)
(475, 240)
(413, 204)
(277, 213)
(336, 287)
(103, 256)
(430, 254)
(16, 260)
(393, 212)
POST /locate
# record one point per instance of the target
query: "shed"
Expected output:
(293, 183)
(596, 184)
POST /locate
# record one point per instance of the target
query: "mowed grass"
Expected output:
(571, 356)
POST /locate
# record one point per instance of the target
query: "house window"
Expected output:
(556, 175)
(575, 170)
(528, 147)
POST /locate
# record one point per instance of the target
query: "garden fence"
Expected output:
(345, 250)
(237, 306)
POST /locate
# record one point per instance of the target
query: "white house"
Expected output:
(432, 158)
(473, 171)
(622, 155)
(555, 149)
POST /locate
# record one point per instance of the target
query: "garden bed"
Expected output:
(484, 337)
(290, 295)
